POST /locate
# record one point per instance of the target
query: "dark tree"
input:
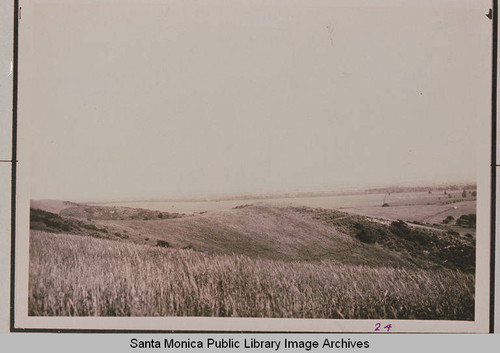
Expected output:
(448, 219)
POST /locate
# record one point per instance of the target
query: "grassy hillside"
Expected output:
(115, 213)
(53, 223)
(281, 233)
(80, 276)
(419, 243)
(251, 261)
(259, 231)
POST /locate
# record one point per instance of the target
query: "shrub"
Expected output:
(368, 236)
(163, 243)
(448, 219)
(400, 228)
(467, 220)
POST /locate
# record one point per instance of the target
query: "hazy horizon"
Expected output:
(179, 98)
(347, 190)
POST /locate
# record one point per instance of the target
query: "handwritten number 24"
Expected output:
(378, 325)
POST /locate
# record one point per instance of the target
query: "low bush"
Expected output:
(162, 243)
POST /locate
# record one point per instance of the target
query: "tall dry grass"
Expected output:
(81, 276)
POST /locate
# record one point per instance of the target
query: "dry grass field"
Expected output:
(426, 214)
(72, 275)
(255, 260)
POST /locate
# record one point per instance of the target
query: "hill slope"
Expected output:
(259, 231)
(278, 233)
(251, 261)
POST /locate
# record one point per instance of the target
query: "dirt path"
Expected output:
(425, 219)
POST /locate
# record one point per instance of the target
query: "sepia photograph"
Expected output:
(254, 165)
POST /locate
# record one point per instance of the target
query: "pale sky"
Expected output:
(177, 98)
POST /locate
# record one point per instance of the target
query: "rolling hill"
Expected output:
(250, 261)
(277, 233)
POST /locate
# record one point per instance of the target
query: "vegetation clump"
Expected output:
(53, 223)
(421, 244)
(448, 219)
(467, 221)
(241, 206)
(163, 243)
(367, 235)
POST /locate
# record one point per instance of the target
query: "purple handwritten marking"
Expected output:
(387, 327)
